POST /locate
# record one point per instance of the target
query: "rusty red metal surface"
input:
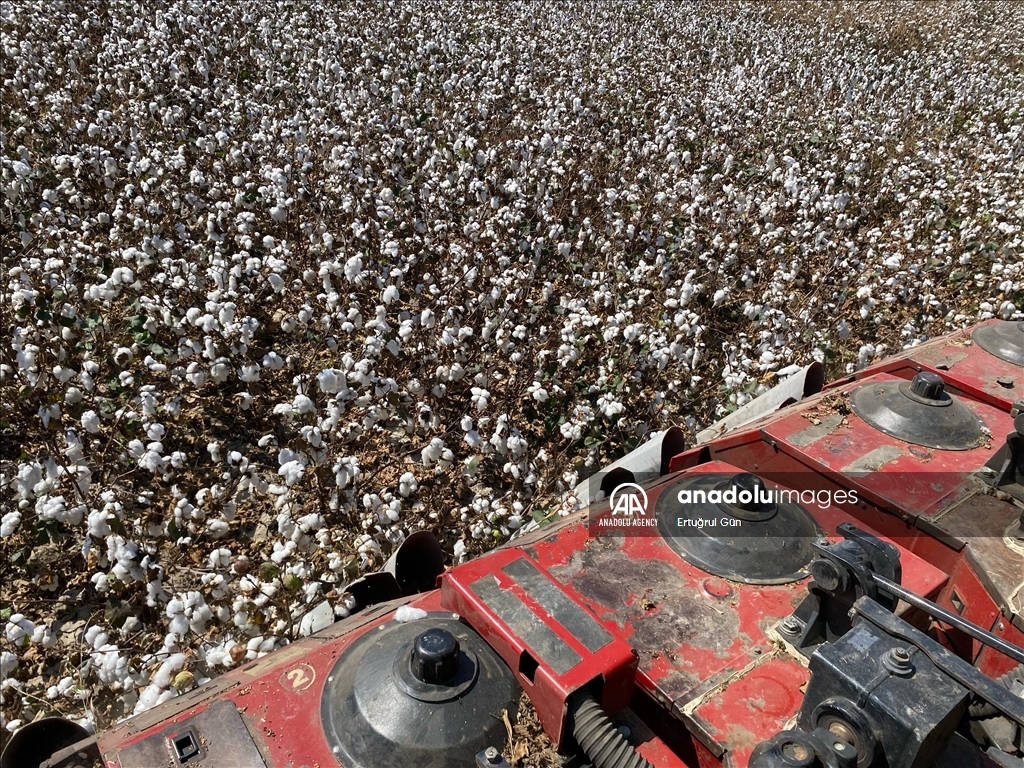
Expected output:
(966, 367)
(699, 637)
(554, 647)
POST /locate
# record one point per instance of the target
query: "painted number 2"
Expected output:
(298, 678)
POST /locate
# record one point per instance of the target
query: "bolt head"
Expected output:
(790, 625)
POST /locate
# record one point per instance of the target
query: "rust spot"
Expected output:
(825, 426)
(681, 615)
(948, 361)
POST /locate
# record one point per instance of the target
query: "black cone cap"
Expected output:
(435, 656)
(426, 693)
(1005, 340)
(919, 412)
(753, 541)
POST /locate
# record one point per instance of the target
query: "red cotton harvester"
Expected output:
(833, 578)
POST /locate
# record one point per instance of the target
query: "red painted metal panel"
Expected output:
(612, 664)
(962, 363)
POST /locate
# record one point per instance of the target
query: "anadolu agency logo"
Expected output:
(627, 500)
(628, 503)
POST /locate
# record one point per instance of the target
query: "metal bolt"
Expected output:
(795, 751)
(791, 625)
(492, 755)
(336, 750)
(843, 731)
(842, 749)
(987, 472)
(897, 661)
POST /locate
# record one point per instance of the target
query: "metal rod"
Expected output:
(937, 612)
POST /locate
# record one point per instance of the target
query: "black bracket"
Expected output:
(1005, 470)
(843, 573)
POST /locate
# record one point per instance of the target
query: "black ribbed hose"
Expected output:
(598, 737)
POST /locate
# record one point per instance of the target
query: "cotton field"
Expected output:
(283, 283)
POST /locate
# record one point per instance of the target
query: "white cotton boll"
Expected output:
(390, 294)
(459, 550)
(98, 525)
(406, 613)
(90, 421)
(407, 484)
(843, 329)
(312, 435)
(9, 524)
(789, 370)
(165, 673)
(178, 625)
(331, 380)
(19, 630)
(353, 268)
(303, 404)
(479, 397)
(8, 663)
(433, 451)
(292, 472)
(250, 374)
(73, 396)
(219, 372)
(122, 356)
(155, 431)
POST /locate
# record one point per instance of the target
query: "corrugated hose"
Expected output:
(598, 737)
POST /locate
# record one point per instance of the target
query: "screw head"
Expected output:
(791, 625)
(492, 755)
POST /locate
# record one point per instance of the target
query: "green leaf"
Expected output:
(173, 532)
(19, 557)
(269, 571)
